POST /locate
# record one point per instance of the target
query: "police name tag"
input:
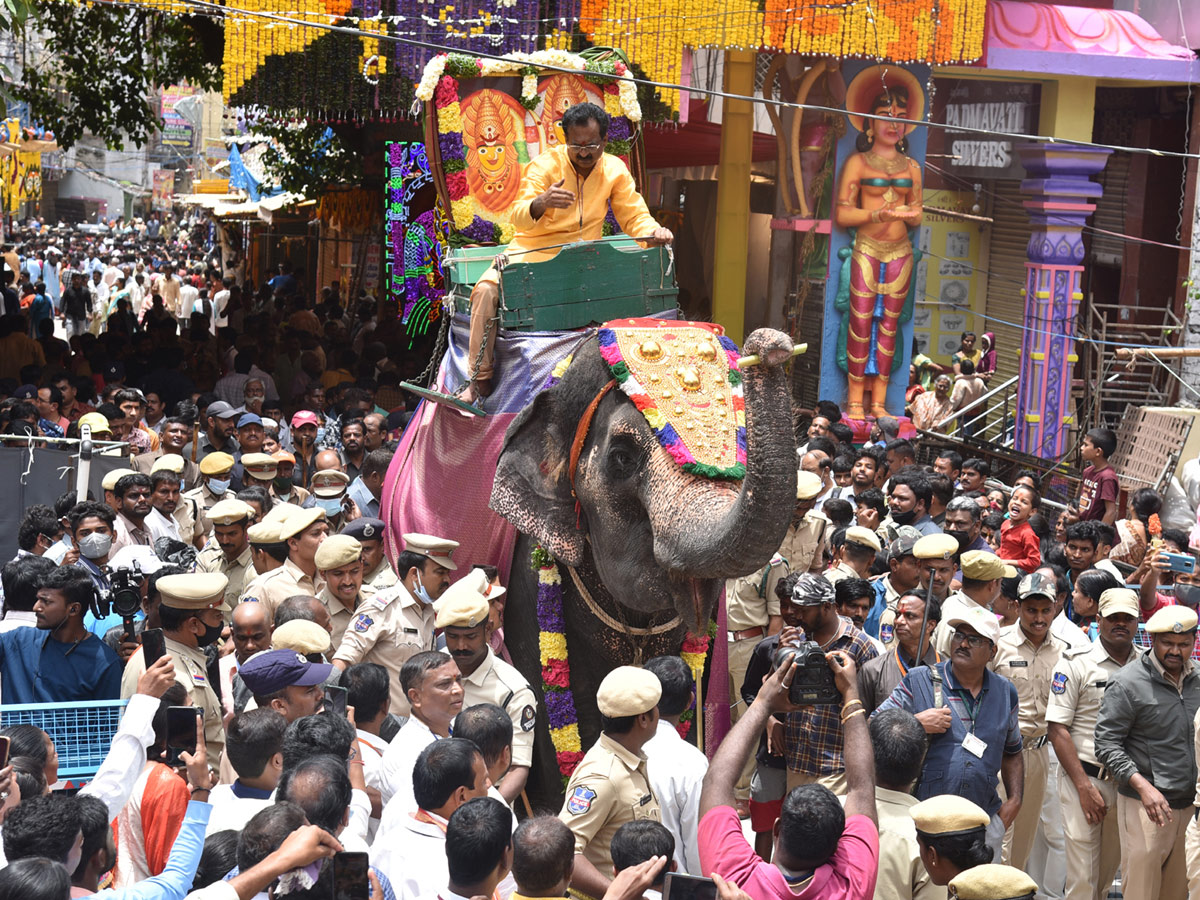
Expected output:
(974, 745)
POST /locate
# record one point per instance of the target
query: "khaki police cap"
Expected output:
(302, 636)
(230, 510)
(170, 462)
(948, 814)
(936, 546)
(992, 882)
(1172, 620)
(298, 521)
(194, 591)
(111, 479)
(256, 462)
(856, 534)
(628, 691)
(808, 485)
(281, 512)
(1119, 600)
(264, 533)
(466, 603)
(216, 464)
(329, 483)
(336, 551)
(980, 565)
(438, 549)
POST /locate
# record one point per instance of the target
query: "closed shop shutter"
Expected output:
(1108, 249)
(1005, 309)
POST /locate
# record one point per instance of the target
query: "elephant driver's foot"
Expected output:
(474, 391)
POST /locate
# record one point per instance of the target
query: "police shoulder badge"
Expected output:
(1058, 684)
(580, 800)
(528, 718)
(362, 622)
(886, 633)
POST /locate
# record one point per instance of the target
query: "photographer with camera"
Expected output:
(67, 664)
(813, 739)
(820, 850)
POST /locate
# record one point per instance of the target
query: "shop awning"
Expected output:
(1076, 40)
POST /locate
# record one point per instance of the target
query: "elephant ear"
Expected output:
(532, 489)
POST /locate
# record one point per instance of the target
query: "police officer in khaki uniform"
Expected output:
(303, 531)
(858, 553)
(329, 493)
(192, 612)
(462, 615)
(925, 549)
(951, 832)
(267, 550)
(751, 604)
(610, 786)
(109, 483)
(259, 469)
(216, 475)
(1143, 735)
(1085, 788)
(993, 882)
(399, 621)
(1026, 655)
(982, 573)
(339, 563)
(377, 571)
(231, 556)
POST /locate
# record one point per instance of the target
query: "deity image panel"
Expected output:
(493, 125)
(559, 93)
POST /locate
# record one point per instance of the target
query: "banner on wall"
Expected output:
(177, 129)
(949, 291)
(163, 189)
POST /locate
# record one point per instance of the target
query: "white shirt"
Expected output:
(160, 526)
(230, 812)
(1066, 630)
(17, 618)
(188, 295)
(676, 770)
(126, 757)
(395, 783)
(414, 857)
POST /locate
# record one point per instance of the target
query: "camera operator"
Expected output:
(67, 664)
(813, 737)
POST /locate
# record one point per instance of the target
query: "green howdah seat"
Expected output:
(591, 281)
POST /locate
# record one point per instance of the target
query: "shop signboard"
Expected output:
(998, 107)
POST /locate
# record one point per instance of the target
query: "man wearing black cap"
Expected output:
(219, 436)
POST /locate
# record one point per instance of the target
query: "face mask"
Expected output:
(904, 518)
(963, 538)
(219, 487)
(1188, 594)
(211, 634)
(331, 505)
(95, 546)
(422, 594)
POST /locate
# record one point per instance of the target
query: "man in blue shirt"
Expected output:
(59, 661)
(971, 717)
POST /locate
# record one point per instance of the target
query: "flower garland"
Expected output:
(440, 84)
(695, 653)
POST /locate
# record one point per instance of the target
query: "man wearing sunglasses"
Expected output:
(565, 195)
(971, 715)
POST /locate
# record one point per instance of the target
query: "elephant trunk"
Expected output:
(709, 529)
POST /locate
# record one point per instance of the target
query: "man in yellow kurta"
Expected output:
(565, 195)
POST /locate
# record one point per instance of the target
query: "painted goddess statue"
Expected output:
(878, 200)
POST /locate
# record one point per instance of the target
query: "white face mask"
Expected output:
(331, 505)
(219, 487)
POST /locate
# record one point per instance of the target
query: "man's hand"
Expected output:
(156, 679)
(661, 236)
(1156, 805)
(845, 674)
(1008, 811)
(935, 721)
(1094, 808)
(554, 197)
(774, 691)
(776, 734)
(789, 635)
(727, 890)
(631, 883)
(127, 649)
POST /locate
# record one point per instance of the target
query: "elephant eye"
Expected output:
(622, 462)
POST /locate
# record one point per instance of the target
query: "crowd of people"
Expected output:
(1012, 703)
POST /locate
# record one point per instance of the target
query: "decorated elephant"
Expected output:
(638, 486)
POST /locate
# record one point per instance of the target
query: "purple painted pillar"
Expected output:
(1061, 197)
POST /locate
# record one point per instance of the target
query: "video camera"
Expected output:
(812, 679)
(123, 597)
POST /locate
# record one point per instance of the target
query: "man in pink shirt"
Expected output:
(819, 850)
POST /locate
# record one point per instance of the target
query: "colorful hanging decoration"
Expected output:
(415, 238)
(684, 378)
(556, 671)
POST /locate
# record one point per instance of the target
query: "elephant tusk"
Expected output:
(754, 359)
